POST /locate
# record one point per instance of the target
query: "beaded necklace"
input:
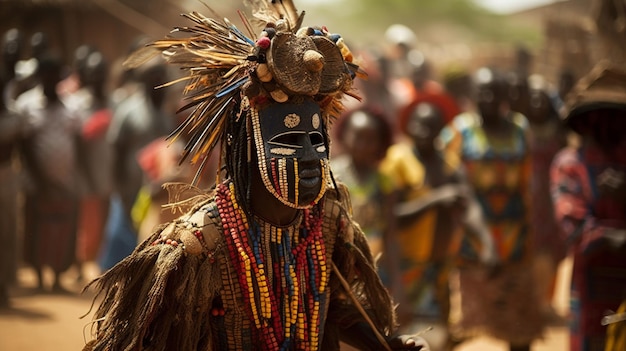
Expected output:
(282, 273)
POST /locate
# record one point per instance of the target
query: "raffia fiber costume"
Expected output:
(221, 277)
(166, 298)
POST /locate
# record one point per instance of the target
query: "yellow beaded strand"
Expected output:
(282, 177)
(296, 182)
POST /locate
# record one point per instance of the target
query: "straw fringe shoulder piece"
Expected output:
(187, 287)
(285, 61)
(161, 296)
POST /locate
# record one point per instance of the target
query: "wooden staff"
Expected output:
(346, 286)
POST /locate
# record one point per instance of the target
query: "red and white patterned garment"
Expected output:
(599, 272)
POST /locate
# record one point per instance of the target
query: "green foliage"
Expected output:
(372, 17)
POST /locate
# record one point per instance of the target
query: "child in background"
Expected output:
(365, 135)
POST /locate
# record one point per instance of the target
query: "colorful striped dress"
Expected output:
(424, 247)
(502, 303)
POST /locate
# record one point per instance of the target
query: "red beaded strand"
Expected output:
(300, 284)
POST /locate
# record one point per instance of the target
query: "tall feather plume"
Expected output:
(214, 54)
(221, 62)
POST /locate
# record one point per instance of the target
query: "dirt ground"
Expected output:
(52, 322)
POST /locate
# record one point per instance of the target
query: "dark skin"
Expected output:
(366, 340)
(49, 75)
(609, 137)
(518, 93)
(450, 192)
(361, 140)
(268, 207)
(542, 113)
(539, 109)
(447, 194)
(423, 127)
(493, 108)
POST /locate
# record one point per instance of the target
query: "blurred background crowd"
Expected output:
(486, 149)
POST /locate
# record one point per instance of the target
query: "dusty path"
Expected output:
(50, 322)
(44, 321)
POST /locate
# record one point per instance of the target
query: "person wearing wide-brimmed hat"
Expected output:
(589, 190)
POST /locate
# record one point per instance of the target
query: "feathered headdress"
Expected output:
(223, 64)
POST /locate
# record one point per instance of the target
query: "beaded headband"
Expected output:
(284, 62)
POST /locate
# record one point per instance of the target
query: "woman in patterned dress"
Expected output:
(492, 144)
